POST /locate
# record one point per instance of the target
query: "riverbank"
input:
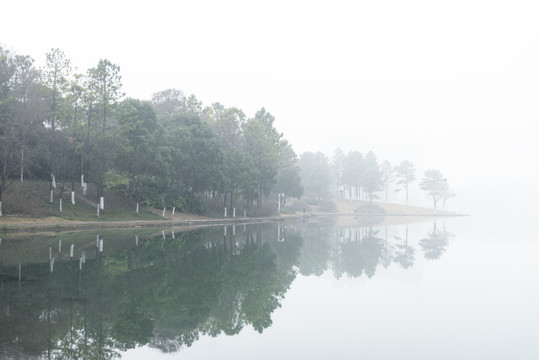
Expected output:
(350, 213)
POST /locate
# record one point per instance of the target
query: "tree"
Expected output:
(387, 173)
(137, 125)
(21, 116)
(405, 174)
(262, 143)
(289, 174)
(372, 178)
(227, 123)
(168, 102)
(106, 81)
(338, 168)
(447, 194)
(56, 72)
(315, 174)
(434, 184)
(8, 143)
(353, 174)
(29, 109)
(202, 157)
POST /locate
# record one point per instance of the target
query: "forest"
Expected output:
(70, 129)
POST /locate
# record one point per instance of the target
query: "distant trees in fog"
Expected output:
(436, 187)
(358, 177)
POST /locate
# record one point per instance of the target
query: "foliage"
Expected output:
(435, 185)
(404, 174)
(315, 174)
(59, 126)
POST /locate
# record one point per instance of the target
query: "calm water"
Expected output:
(455, 288)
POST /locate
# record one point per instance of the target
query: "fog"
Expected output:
(447, 86)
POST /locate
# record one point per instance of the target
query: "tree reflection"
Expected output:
(165, 292)
(168, 291)
(404, 255)
(436, 243)
(359, 252)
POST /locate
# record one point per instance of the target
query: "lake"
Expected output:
(315, 288)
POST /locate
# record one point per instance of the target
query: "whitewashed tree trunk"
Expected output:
(225, 211)
(244, 213)
(60, 246)
(82, 180)
(60, 205)
(50, 253)
(164, 209)
(52, 265)
(0, 208)
(97, 241)
(73, 197)
(102, 203)
(53, 180)
(22, 164)
(71, 250)
(52, 194)
(173, 210)
(234, 212)
(136, 239)
(137, 208)
(84, 189)
(224, 230)
(163, 234)
(101, 245)
(173, 234)
(97, 209)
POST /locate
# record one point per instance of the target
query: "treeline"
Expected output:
(78, 128)
(357, 177)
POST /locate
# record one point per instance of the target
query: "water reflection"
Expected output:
(116, 291)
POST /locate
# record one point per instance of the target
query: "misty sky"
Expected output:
(450, 85)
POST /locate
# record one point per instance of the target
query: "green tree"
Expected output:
(105, 85)
(55, 74)
(29, 111)
(289, 174)
(262, 143)
(404, 174)
(137, 125)
(201, 156)
(8, 143)
(434, 184)
(106, 82)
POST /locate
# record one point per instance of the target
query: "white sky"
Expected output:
(451, 85)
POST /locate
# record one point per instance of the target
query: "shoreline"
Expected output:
(346, 211)
(58, 224)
